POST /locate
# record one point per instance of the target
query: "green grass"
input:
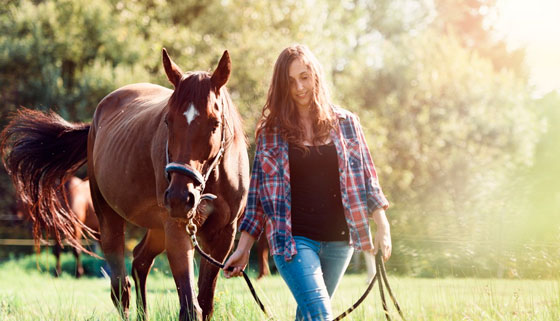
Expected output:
(28, 294)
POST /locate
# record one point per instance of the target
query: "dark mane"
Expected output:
(233, 118)
(195, 87)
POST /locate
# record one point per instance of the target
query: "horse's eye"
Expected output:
(165, 122)
(215, 125)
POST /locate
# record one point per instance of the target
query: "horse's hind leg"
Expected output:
(57, 250)
(79, 267)
(144, 253)
(262, 251)
(112, 227)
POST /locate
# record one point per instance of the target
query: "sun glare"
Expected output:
(534, 25)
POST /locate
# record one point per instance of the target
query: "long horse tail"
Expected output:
(40, 151)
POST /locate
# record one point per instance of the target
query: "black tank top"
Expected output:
(316, 208)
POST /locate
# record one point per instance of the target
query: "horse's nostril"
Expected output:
(190, 202)
(180, 202)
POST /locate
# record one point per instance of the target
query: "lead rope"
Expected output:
(191, 231)
(379, 274)
(381, 267)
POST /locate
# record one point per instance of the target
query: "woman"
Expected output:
(313, 187)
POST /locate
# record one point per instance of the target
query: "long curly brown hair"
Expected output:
(280, 112)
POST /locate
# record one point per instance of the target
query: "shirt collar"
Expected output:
(339, 112)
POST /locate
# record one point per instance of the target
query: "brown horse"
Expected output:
(153, 154)
(79, 199)
(262, 257)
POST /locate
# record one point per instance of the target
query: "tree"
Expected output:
(445, 106)
(63, 54)
(472, 22)
(448, 128)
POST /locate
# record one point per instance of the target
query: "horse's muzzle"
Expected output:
(181, 203)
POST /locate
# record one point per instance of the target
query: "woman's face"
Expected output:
(301, 84)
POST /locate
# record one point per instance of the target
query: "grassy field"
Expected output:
(33, 295)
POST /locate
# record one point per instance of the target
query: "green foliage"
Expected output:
(63, 54)
(473, 24)
(536, 229)
(447, 110)
(542, 178)
(447, 130)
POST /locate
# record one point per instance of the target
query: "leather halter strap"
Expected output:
(186, 170)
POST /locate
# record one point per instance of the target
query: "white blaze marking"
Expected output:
(191, 113)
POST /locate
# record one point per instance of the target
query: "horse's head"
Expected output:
(196, 132)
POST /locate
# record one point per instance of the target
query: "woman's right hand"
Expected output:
(237, 262)
(239, 259)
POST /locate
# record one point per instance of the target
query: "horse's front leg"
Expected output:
(180, 254)
(219, 244)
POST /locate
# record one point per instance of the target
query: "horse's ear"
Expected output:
(173, 71)
(221, 75)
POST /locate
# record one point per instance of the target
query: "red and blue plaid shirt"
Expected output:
(268, 204)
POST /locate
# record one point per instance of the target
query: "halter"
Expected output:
(189, 171)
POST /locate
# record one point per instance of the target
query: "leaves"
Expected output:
(446, 109)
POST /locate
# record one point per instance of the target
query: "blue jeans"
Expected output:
(313, 275)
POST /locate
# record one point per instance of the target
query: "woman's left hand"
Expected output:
(383, 242)
(383, 235)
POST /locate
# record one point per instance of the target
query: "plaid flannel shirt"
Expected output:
(268, 204)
